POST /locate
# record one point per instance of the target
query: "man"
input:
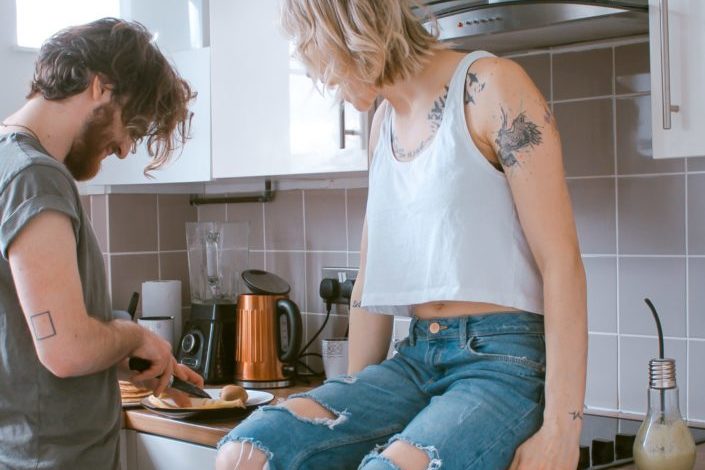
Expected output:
(97, 90)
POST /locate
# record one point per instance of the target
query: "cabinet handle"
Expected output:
(342, 131)
(668, 108)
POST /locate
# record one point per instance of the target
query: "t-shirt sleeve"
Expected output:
(33, 190)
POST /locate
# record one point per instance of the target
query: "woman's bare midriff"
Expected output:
(457, 309)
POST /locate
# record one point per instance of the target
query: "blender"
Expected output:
(217, 254)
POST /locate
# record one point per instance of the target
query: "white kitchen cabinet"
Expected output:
(125, 443)
(160, 453)
(192, 162)
(267, 118)
(677, 36)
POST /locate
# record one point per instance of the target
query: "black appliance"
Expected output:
(208, 342)
(606, 442)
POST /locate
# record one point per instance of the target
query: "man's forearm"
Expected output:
(566, 342)
(96, 346)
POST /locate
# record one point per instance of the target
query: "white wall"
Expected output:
(16, 66)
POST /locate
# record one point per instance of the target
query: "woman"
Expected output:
(468, 230)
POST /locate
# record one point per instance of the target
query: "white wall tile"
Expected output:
(601, 390)
(696, 374)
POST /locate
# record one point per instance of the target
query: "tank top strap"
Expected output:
(457, 81)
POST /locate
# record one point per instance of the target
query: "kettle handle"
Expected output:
(294, 327)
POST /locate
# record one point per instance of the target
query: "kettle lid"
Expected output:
(262, 282)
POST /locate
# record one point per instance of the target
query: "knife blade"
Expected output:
(140, 365)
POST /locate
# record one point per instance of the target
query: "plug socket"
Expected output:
(345, 278)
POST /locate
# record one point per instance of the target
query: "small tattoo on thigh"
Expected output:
(42, 325)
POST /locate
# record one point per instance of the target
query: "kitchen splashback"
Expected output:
(641, 224)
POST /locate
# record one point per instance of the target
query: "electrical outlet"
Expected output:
(341, 275)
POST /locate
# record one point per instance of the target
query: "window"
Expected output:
(37, 20)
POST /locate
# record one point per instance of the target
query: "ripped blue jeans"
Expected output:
(466, 390)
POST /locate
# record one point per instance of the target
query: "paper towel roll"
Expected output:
(163, 298)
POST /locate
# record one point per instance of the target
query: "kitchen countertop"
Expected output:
(209, 432)
(203, 432)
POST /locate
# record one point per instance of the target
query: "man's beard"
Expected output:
(87, 152)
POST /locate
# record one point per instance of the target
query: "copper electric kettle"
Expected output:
(265, 352)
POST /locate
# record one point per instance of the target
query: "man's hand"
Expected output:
(179, 370)
(550, 448)
(157, 351)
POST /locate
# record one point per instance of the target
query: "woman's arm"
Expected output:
(370, 332)
(510, 116)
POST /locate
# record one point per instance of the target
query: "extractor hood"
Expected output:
(517, 25)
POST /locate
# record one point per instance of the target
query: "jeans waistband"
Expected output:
(465, 327)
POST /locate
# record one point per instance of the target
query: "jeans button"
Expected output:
(434, 328)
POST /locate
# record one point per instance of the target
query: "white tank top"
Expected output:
(443, 226)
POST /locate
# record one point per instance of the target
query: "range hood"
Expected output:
(518, 25)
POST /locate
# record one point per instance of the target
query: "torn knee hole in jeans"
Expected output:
(339, 417)
(254, 445)
(434, 459)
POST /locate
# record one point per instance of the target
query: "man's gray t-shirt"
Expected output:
(47, 422)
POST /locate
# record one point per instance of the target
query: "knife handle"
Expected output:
(139, 364)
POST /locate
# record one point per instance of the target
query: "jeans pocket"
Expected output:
(398, 344)
(525, 350)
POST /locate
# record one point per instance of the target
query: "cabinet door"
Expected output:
(250, 100)
(268, 118)
(160, 453)
(677, 34)
(192, 162)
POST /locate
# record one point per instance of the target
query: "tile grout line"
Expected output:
(107, 242)
(616, 226)
(687, 299)
(631, 175)
(159, 245)
(264, 234)
(132, 253)
(305, 299)
(305, 272)
(638, 335)
(347, 230)
(585, 99)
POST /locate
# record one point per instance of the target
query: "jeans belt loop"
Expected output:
(412, 335)
(463, 330)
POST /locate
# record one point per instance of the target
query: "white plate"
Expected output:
(254, 397)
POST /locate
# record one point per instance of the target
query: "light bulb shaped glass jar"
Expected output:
(663, 441)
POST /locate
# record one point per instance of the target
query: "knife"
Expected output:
(140, 365)
(132, 308)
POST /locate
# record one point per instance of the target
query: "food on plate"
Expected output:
(130, 394)
(164, 401)
(233, 392)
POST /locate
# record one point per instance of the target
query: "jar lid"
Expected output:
(262, 282)
(662, 373)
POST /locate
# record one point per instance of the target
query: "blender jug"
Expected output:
(217, 254)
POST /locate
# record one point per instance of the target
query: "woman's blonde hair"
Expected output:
(374, 41)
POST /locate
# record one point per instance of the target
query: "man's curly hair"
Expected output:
(153, 97)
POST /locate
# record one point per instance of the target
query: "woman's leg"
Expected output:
(332, 426)
(487, 401)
